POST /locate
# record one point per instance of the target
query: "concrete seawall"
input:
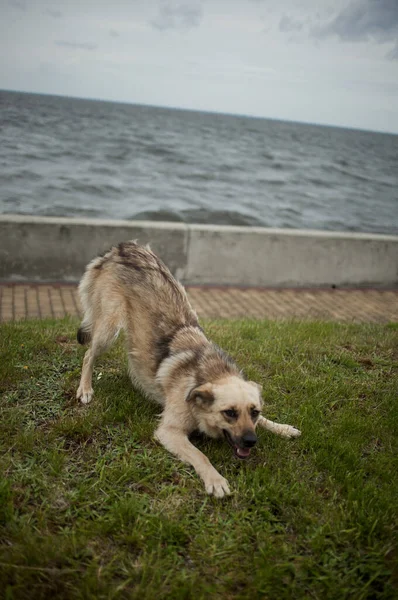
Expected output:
(58, 249)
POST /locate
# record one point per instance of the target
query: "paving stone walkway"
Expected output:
(36, 301)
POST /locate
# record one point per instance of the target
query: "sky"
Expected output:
(320, 61)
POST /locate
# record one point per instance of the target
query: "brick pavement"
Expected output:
(26, 301)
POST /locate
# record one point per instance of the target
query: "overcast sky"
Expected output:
(322, 61)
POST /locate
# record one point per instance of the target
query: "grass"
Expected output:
(92, 507)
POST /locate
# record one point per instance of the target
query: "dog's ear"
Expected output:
(202, 396)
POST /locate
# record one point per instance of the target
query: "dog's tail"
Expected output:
(86, 290)
(84, 333)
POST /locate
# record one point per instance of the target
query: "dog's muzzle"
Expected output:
(242, 445)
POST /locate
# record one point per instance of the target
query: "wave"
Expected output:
(162, 152)
(66, 211)
(24, 175)
(357, 176)
(271, 182)
(197, 176)
(104, 190)
(320, 183)
(198, 215)
(278, 166)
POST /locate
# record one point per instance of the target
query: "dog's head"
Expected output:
(229, 407)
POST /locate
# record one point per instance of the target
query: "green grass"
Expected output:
(92, 507)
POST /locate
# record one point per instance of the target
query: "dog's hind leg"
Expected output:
(286, 431)
(103, 335)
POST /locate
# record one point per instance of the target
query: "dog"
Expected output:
(170, 358)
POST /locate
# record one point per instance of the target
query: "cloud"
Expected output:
(51, 12)
(364, 20)
(18, 4)
(393, 54)
(76, 45)
(172, 15)
(287, 24)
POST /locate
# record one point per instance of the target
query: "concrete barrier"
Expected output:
(58, 249)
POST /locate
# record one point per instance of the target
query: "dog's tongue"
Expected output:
(242, 452)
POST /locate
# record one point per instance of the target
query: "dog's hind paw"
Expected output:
(85, 396)
(217, 486)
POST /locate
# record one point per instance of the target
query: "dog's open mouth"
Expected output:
(239, 452)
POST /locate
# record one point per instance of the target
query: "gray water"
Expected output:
(76, 158)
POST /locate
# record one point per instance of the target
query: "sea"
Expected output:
(69, 157)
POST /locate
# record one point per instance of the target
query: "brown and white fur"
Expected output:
(170, 359)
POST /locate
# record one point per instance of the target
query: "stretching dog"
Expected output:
(170, 359)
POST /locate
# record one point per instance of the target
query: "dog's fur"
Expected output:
(170, 359)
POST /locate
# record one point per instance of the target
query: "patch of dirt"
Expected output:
(65, 342)
(366, 362)
(6, 385)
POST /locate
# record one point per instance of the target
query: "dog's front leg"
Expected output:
(286, 431)
(177, 442)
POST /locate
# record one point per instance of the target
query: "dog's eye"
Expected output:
(255, 413)
(231, 413)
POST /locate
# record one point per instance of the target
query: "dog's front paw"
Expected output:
(287, 431)
(217, 485)
(84, 395)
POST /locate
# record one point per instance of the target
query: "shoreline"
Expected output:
(41, 249)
